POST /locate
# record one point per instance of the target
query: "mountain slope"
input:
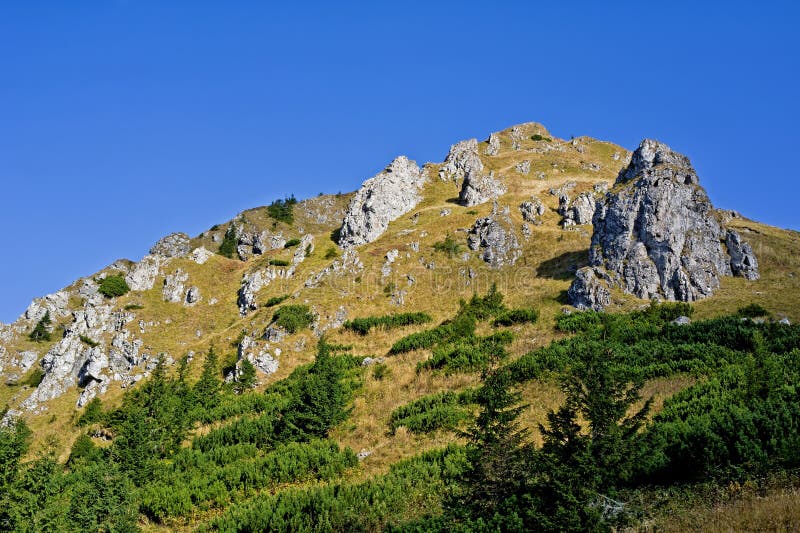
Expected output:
(433, 253)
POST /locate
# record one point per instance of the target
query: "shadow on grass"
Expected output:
(563, 266)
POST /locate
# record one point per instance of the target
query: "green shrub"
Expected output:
(516, 316)
(752, 311)
(468, 354)
(537, 137)
(133, 307)
(331, 253)
(35, 378)
(227, 247)
(92, 413)
(291, 242)
(448, 246)
(41, 331)
(293, 318)
(282, 210)
(380, 371)
(442, 410)
(275, 300)
(113, 286)
(89, 342)
(389, 288)
(363, 325)
(279, 262)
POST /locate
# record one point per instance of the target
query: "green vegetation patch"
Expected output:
(362, 326)
(283, 210)
(113, 286)
(443, 410)
(293, 318)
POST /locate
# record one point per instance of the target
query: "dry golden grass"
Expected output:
(738, 507)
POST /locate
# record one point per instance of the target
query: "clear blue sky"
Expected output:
(122, 121)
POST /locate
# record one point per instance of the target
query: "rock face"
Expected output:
(380, 200)
(201, 255)
(254, 281)
(461, 161)
(579, 212)
(478, 189)
(494, 144)
(173, 245)
(531, 211)
(173, 290)
(743, 260)
(495, 235)
(143, 275)
(657, 236)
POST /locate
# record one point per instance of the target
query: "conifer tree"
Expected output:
(41, 332)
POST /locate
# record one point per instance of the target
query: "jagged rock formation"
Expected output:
(201, 255)
(478, 189)
(143, 275)
(350, 264)
(192, 295)
(173, 245)
(254, 281)
(173, 290)
(743, 260)
(495, 235)
(462, 160)
(380, 200)
(531, 211)
(657, 236)
(578, 212)
(494, 144)
(259, 356)
(523, 167)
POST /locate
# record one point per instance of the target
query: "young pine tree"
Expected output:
(41, 332)
(206, 390)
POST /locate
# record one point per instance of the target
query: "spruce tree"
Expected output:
(41, 332)
(206, 390)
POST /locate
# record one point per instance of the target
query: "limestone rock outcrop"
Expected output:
(380, 200)
(494, 144)
(578, 212)
(495, 235)
(656, 235)
(173, 290)
(532, 210)
(201, 255)
(462, 160)
(143, 275)
(173, 245)
(478, 189)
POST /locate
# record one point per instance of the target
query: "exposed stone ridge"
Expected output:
(173, 245)
(380, 200)
(656, 236)
(462, 160)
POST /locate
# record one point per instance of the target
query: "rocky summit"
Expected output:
(657, 236)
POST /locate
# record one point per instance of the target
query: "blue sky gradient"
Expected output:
(122, 121)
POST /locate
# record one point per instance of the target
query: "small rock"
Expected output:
(192, 295)
(201, 255)
(682, 321)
